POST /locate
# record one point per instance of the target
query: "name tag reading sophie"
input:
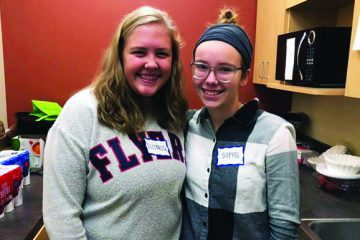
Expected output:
(157, 147)
(230, 156)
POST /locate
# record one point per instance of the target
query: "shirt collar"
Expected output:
(243, 116)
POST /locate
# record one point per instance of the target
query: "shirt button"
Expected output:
(206, 195)
(204, 224)
(208, 170)
(214, 140)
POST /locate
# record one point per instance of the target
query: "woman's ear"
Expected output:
(243, 82)
(244, 78)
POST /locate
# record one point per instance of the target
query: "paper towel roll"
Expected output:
(26, 179)
(10, 206)
(18, 200)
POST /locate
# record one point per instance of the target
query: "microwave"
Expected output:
(315, 57)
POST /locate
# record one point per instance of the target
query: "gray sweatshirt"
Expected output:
(102, 184)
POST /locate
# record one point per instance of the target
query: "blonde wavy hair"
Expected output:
(119, 106)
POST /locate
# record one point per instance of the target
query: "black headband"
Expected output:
(230, 34)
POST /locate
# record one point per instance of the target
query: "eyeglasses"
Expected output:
(223, 73)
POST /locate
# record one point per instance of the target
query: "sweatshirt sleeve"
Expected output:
(65, 182)
(283, 184)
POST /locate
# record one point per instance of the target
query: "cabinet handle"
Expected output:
(266, 69)
(261, 70)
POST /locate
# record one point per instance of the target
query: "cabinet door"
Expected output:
(270, 22)
(275, 27)
(41, 235)
(3, 112)
(260, 42)
(352, 88)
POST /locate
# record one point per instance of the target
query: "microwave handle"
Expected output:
(298, 52)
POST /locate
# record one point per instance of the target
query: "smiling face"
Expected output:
(147, 58)
(214, 94)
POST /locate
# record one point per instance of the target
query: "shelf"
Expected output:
(292, 3)
(318, 4)
(308, 90)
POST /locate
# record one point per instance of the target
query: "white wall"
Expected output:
(3, 113)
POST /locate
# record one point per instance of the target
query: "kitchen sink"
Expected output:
(332, 228)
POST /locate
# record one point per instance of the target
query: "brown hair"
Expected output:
(228, 15)
(119, 107)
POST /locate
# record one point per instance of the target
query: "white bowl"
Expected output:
(313, 161)
(343, 164)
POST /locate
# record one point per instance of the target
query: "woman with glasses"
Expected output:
(242, 176)
(114, 158)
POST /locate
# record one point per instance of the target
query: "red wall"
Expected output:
(53, 48)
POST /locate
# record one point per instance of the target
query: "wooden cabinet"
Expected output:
(41, 235)
(3, 111)
(270, 22)
(352, 88)
(297, 15)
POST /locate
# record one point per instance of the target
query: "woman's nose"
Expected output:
(151, 62)
(211, 78)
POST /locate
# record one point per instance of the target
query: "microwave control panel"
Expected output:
(310, 53)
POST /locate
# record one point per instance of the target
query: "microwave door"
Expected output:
(290, 55)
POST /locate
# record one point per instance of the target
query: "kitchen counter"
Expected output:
(316, 202)
(26, 220)
(319, 203)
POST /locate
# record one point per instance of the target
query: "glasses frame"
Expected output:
(213, 69)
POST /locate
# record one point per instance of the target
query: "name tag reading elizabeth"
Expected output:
(157, 147)
(230, 156)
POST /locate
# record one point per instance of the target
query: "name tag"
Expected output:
(230, 156)
(157, 147)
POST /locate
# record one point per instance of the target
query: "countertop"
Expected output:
(316, 202)
(319, 202)
(26, 220)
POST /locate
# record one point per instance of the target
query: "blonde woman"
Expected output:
(114, 158)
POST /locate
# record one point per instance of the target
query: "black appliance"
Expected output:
(315, 57)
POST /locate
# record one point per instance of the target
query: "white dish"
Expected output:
(322, 168)
(343, 164)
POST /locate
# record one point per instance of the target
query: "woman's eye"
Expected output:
(138, 53)
(202, 67)
(225, 69)
(162, 54)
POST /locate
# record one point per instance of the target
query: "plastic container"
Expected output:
(21, 158)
